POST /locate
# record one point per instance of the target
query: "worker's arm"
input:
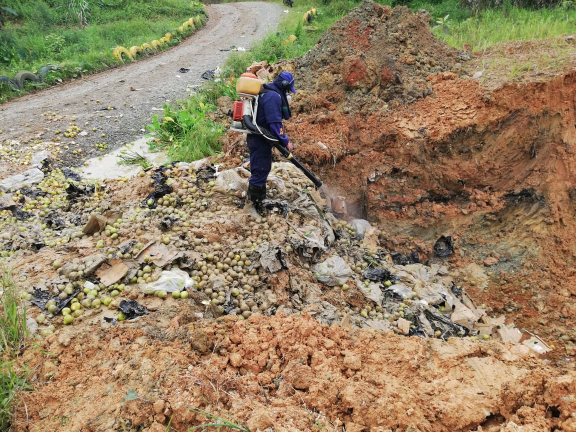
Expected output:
(273, 115)
(278, 131)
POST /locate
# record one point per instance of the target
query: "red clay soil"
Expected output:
(288, 373)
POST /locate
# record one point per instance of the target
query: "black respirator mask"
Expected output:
(287, 87)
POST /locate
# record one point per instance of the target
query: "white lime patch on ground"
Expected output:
(109, 167)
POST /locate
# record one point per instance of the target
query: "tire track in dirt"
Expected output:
(155, 80)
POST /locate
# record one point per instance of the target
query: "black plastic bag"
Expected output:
(42, 297)
(74, 191)
(159, 176)
(18, 213)
(377, 274)
(444, 246)
(209, 74)
(132, 309)
(69, 174)
(411, 258)
(154, 196)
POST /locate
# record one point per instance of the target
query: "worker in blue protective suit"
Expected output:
(273, 107)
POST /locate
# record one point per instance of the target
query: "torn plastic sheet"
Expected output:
(232, 182)
(372, 292)
(132, 309)
(159, 176)
(270, 257)
(154, 196)
(42, 297)
(377, 274)
(167, 223)
(54, 221)
(34, 193)
(69, 174)
(206, 173)
(170, 281)
(332, 271)
(209, 74)
(444, 246)
(323, 312)
(445, 325)
(275, 206)
(18, 213)
(75, 191)
(360, 226)
(411, 258)
(398, 292)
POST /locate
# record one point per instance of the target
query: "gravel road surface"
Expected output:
(145, 85)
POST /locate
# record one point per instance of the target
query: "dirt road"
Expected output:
(156, 80)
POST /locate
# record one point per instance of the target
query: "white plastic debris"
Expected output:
(334, 271)
(170, 281)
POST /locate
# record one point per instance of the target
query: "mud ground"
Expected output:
(421, 145)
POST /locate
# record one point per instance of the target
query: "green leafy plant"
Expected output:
(220, 422)
(11, 384)
(54, 43)
(12, 334)
(13, 330)
(187, 133)
(444, 24)
(129, 157)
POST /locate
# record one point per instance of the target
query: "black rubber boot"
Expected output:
(257, 195)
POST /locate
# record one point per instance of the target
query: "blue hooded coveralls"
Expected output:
(272, 109)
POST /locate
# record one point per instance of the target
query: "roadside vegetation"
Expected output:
(12, 336)
(77, 37)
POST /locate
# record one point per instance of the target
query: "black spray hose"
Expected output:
(285, 152)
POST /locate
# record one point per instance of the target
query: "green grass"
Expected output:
(219, 422)
(493, 26)
(12, 335)
(46, 32)
(11, 384)
(12, 315)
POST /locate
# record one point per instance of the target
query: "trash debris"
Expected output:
(377, 274)
(209, 74)
(113, 272)
(270, 257)
(444, 246)
(170, 281)
(360, 226)
(333, 271)
(411, 258)
(132, 309)
(97, 223)
(69, 174)
(183, 70)
(151, 200)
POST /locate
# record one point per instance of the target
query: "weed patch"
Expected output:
(12, 335)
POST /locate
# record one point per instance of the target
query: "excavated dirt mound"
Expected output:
(287, 373)
(375, 54)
